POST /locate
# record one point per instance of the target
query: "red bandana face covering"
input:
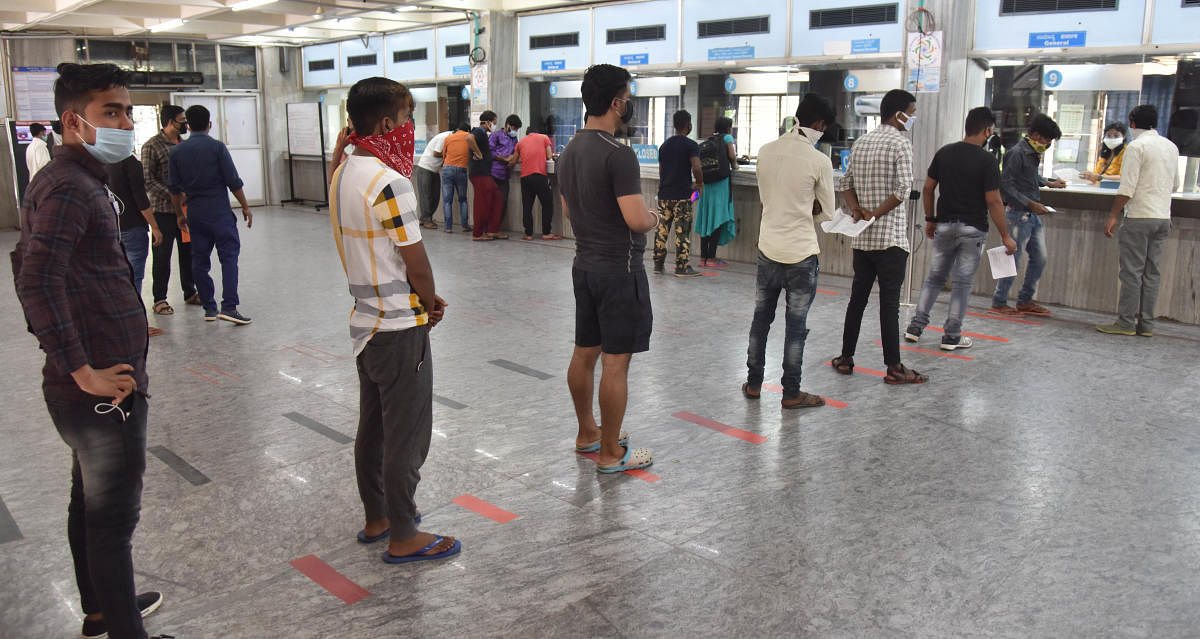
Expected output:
(394, 148)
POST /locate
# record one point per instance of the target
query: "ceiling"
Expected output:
(258, 22)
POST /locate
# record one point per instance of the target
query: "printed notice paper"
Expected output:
(1003, 264)
(844, 224)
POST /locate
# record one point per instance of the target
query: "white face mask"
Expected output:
(907, 123)
(812, 135)
(1113, 143)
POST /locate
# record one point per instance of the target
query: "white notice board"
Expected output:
(304, 128)
(33, 89)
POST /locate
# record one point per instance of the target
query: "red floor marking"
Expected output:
(979, 335)
(202, 376)
(753, 438)
(827, 292)
(929, 352)
(219, 371)
(860, 369)
(314, 348)
(481, 507)
(330, 579)
(1003, 318)
(640, 474)
(828, 401)
(296, 350)
(710, 274)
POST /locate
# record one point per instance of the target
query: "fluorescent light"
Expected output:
(250, 4)
(1006, 63)
(169, 24)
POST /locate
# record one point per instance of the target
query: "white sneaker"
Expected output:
(963, 342)
(911, 337)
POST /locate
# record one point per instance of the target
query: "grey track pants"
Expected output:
(1142, 243)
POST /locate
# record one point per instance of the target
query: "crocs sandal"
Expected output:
(634, 459)
(843, 364)
(162, 307)
(364, 539)
(595, 446)
(420, 555)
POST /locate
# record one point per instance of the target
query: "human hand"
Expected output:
(181, 222)
(1090, 177)
(1057, 183)
(438, 311)
(1110, 226)
(859, 213)
(343, 140)
(156, 236)
(248, 216)
(1010, 245)
(1038, 208)
(477, 155)
(930, 229)
(107, 382)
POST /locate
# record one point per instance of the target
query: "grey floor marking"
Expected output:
(449, 403)
(176, 463)
(517, 368)
(8, 526)
(318, 427)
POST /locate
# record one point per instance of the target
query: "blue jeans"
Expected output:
(108, 459)
(800, 282)
(217, 230)
(957, 248)
(137, 246)
(454, 178)
(1026, 229)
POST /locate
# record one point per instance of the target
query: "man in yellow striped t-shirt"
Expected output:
(374, 215)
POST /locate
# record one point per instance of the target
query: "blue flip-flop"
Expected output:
(595, 446)
(420, 555)
(364, 539)
(624, 465)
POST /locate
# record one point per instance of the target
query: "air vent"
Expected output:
(457, 50)
(554, 40)
(1021, 7)
(852, 16)
(410, 55)
(365, 60)
(321, 65)
(1191, 3)
(638, 34)
(736, 26)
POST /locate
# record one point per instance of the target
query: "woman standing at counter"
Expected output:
(714, 209)
(1108, 166)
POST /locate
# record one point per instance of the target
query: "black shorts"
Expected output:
(612, 311)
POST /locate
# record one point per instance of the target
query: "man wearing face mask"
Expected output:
(73, 282)
(1021, 182)
(503, 144)
(875, 185)
(156, 155)
(202, 169)
(795, 184)
(487, 222)
(680, 175)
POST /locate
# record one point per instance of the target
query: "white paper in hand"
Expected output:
(1003, 264)
(845, 224)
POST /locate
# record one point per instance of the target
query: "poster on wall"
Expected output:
(1070, 118)
(923, 56)
(479, 84)
(33, 90)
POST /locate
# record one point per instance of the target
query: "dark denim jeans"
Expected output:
(137, 246)
(957, 248)
(1026, 229)
(108, 458)
(454, 179)
(215, 230)
(800, 282)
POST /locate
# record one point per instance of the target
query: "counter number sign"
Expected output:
(466, 93)
(1053, 78)
(730, 85)
(633, 87)
(851, 82)
(553, 89)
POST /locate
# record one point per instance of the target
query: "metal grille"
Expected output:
(457, 50)
(853, 16)
(1019, 7)
(365, 60)
(321, 65)
(736, 26)
(554, 40)
(638, 34)
(410, 55)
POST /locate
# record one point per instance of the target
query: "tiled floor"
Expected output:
(1048, 485)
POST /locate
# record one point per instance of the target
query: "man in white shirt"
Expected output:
(1149, 175)
(429, 178)
(37, 154)
(795, 183)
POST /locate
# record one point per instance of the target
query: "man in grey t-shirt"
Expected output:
(601, 193)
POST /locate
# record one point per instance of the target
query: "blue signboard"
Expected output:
(870, 45)
(633, 87)
(1057, 39)
(554, 65)
(851, 82)
(731, 53)
(553, 89)
(845, 157)
(1053, 78)
(419, 146)
(466, 93)
(634, 59)
(461, 69)
(730, 84)
(646, 153)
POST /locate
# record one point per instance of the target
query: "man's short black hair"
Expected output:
(1144, 116)
(514, 121)
(487, 116)
(893, 102)
(169, 113)
(1042, 125)
(601, 84)
(682, 119)
(198, 118)
(371, 100)
(724, 125)
(979, 119)
(814, 108)
(76, 82)
(36, 129)
(463, 126)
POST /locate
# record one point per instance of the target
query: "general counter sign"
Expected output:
(635, 59)
(554, 65)
(1058, 40)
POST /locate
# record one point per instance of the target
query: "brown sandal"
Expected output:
(161, 307)
(803, 400)
(843, 364)
(901, 374)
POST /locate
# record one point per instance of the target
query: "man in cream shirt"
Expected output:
(795, 183)
(1149, 175)
(37, 154)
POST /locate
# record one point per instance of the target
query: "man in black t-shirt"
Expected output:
(679, 175)
(600, 182)
(128, 185)
(479, 170)
(968, 182)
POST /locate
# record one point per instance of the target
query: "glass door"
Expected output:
(235, 121)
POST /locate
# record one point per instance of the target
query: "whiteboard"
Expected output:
(304, 128)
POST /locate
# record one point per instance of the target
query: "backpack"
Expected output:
(714, 159)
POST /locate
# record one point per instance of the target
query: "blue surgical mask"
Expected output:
(512, 134)
(112, 145)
